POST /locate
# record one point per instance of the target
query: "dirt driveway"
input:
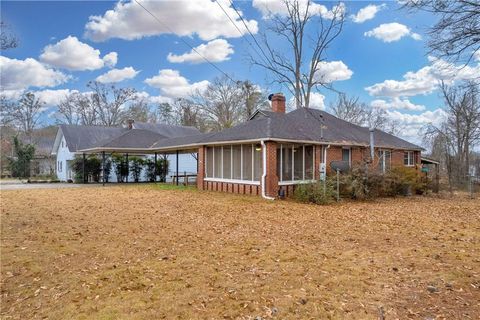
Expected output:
(138, 252)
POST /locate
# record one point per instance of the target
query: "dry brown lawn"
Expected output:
(138, 252)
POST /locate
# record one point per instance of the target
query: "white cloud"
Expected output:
(397, 103)
(129, 21)
(53, 97)
(390, 32)
(110, 59)
(269, 8)
(330, 71)
(48, 96)
(412, 124)
(72, 54)
(117, 75)
(215, 51)
(21, 74)
(317, 100)
(476, 55)
(425, 80)
(367, 13)
(173, 85)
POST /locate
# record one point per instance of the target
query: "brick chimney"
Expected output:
(278, 103)
(130, 123)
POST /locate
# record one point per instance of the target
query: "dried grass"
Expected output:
(144, 253)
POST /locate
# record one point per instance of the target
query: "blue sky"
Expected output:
(380, 57)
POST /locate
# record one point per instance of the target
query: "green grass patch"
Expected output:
(169, 186)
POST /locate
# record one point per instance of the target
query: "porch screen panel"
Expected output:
(209, 169)
(308, 162)
(287, 162)
(247, 161)
(279, 162)
(217, 168)
(227, 162)
(236, 162)
(298, 162)
(257, 164)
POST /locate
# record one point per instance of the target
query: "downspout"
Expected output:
(372, 144)
(264, 156)
(325, 156)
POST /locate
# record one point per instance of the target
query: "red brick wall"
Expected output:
(231, 187)
(271, 179)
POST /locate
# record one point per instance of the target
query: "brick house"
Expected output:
(276, 150)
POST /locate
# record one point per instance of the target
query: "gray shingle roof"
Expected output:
(134, 138)
(84, 137)
(302, 124)
(166, 130)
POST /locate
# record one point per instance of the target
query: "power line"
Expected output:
(250, 32)
(185, 42)
(265, 58)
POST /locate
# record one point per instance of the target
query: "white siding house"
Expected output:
(70, 139)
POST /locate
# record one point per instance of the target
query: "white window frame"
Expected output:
(349, 155)
(281, 182)
(410, 159)
(222, 179)
(382, 159)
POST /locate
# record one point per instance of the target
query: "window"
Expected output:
(346, 155)
(217, 162)
(227, 162)
(209, 166)
(237, 162)
(385, 160)
(247, 162)
(295, 162)
(409, 158)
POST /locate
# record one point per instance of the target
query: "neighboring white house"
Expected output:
(70, 139)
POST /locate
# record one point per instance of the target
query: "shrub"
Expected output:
(20, 164)
(317, 193)
(405, 181)
(162, 169)
(120, 166)
(136, 165)
(93, 168)
(363, 183)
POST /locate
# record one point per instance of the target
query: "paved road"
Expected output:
(17, 185)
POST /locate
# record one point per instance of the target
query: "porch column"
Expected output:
(200, 167)
(83, 168)
(271, 178)
(127, 166)
(103, 168)
(155, 170)
(177, 166)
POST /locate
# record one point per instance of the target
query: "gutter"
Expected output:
(264, 156)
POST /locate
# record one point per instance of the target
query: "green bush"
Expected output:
(93, 168)
(317, 193)
(404, 181)
(120, 166)
(136, 166)
(20, 163)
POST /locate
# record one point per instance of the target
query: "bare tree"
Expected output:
(25, 114)
(189, 114)
(110, 102)
(164, 113)
(77, 108)
(254, 98)
(298, 68)
(352, 110)
(456, 35)
(138, 110)
(7, 39)
(221, 103)
(461, 129)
